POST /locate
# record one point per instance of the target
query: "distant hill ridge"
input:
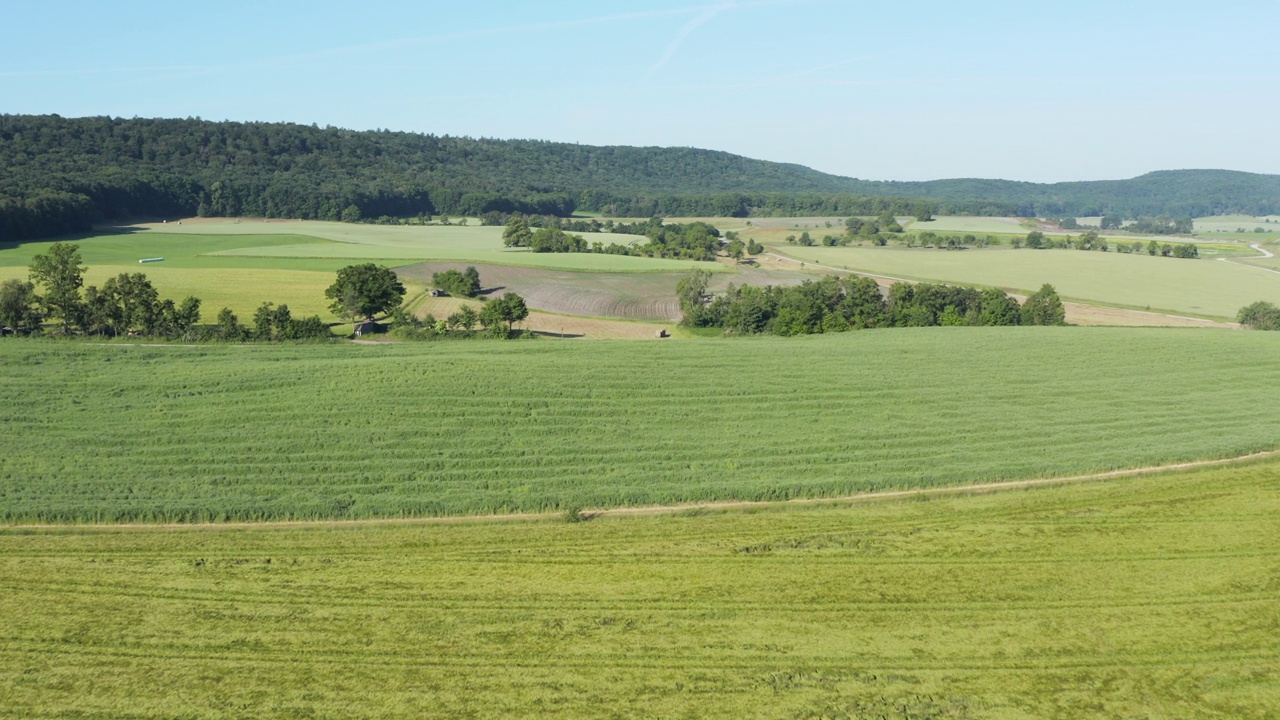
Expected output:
(61, 174)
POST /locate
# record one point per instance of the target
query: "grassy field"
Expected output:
(221, 432)
(399, 245)
(959, 224)
(1143, 598)
(1231, 223)
(1196, 287)
(242, 265)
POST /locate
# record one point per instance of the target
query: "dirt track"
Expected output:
(669, 509)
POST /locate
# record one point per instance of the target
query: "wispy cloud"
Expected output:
(706, 16)
(308, 59)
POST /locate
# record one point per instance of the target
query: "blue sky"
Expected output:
(1040, 91)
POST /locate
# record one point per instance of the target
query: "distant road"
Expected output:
(1265, 254)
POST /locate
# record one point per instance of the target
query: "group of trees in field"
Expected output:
(128, 304)
(1091, 240)
(458, 284)
(1162, 225)
(852, 303)
(684, 241)
(1259, 316)
(496, 319)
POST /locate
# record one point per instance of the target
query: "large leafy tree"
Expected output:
(62, 276)
(362, 291)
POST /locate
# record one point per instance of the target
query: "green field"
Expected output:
(955, 224)
(398, 245)
(1202, 287)
(242, 265)
(253, 432)
(1142, 598)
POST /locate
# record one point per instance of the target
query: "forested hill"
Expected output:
(1173, 193)
(61, 174)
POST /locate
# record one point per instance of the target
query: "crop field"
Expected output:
(963, 224)
(242, 265)
(1231, 223)
(641, 296)
(191, 267)
(1142, 598)
(550, 324)
(634, 296)
(1202, 287)
(120, 433)
(401, 245)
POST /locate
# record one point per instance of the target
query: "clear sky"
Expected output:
(902, 90)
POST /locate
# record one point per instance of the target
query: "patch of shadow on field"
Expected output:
(633, 296)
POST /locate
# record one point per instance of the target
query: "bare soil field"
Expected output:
(566, 326)
(632, 296)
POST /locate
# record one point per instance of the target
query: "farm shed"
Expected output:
(366, 327)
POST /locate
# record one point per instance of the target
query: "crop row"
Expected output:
(1148, 596)
(127, 433)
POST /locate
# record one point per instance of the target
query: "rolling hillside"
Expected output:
(63, 174)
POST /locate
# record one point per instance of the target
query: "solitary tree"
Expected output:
(364, 291)
(62, 276)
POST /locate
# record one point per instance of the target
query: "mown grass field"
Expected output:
(1142, 598)
(241, 265)
(191, 268)
(1204, 287)
(399, 245)
(256, 432)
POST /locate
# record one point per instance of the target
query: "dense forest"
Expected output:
(63, 174)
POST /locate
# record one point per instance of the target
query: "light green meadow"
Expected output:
(402, 244)
(1204, 287)
(252, 432)
(1137, 598)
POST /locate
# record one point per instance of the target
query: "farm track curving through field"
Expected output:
(647, 510)
(1266, 255)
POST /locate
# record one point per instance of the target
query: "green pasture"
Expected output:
(1137, 598)
(1203, 287)
(242, 265)
(221, 432)
(1231, 223)
(403, 244)
(960, 224)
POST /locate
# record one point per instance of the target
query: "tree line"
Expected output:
(1091, 240)
(834, 304)
(128, 304)
(684, 241)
